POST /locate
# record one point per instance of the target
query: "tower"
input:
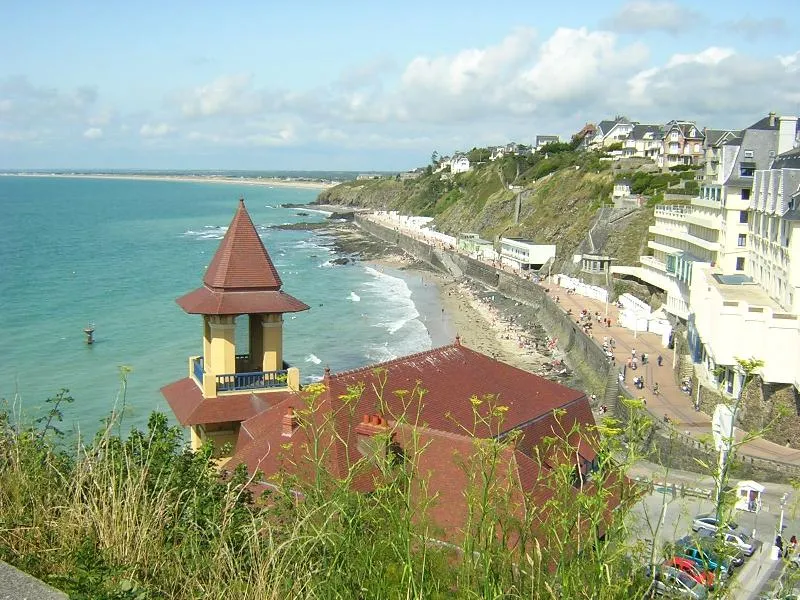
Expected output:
(226, 384)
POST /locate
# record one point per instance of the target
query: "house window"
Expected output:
(746, 194)
(742, 241)
(742, 216)
(673, 136)
(748, 154)
(747, 171)
(740, 263)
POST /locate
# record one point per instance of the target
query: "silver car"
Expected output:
(709, 523)
(735, 539)
(674, 583)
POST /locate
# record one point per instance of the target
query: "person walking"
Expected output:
(655, 389)
(660, 359)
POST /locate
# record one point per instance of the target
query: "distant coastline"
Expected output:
(263, 181)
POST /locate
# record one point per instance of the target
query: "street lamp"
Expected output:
(783, 504)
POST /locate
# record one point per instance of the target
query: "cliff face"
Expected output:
(558, 208)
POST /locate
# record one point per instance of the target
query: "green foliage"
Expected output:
(478, 155)
(140, 517)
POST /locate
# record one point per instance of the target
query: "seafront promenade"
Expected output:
(670, 402)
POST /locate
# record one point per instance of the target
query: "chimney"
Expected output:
(289, 423)
(772, 116)
(787, 134)
(372, 424)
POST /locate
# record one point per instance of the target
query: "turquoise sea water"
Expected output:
(118, 253)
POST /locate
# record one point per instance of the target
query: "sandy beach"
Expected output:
(483, 319)
(262, 181)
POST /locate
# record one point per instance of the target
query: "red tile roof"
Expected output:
(450, 377)
(190, 408)
(241, 261)
(442, 424)
(241, 278)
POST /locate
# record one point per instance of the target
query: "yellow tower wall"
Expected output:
(222, 352)
(272, 326)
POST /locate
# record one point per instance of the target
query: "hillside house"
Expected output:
(460, 164)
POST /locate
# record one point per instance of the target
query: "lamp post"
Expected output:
(783, 505)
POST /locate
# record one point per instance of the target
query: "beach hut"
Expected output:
(748, 495)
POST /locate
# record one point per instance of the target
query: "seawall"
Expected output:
(583, 354)
(665, 445)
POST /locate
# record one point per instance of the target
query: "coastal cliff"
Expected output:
(552, 200)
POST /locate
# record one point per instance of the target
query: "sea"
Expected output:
(114, 254)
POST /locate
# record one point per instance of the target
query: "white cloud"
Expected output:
(715, 84)
(157, 130)
(639, 16)
(791, 62)
(93, 133)
(575, 63)
(709, 56)
(227, 95)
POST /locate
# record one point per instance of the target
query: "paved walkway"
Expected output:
(670, 401)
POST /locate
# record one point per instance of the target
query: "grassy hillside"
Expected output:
(559, 194)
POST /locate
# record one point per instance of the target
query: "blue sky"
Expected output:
(370, 85)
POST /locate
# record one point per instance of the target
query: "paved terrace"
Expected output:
(670, 401)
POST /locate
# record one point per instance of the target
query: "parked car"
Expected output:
(736, 539)
(674, 583)
(705, 558)
(709, 522)
(692, 570)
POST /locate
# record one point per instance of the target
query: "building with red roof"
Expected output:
(432, 408)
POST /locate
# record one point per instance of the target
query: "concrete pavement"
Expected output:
(670, 400)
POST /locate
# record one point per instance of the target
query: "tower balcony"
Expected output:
(244, 380)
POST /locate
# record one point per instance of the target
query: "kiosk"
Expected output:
(748, 496)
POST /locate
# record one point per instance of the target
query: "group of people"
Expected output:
(608, 348)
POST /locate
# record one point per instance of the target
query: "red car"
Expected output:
(690, 568)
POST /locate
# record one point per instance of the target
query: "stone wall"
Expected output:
(668, 446)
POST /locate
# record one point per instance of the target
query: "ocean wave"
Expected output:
(313, 358)
(395, 296)
(354, 297)
(209, 232)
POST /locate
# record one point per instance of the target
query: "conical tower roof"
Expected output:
(242, 262)
(241, 277)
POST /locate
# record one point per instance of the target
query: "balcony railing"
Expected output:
(197, 365)
(256, 380)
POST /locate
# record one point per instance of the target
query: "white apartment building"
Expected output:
(713, 229)
(523, 254)
(754, 310)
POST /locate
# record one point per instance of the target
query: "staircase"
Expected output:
(611, 394)
(448, 263)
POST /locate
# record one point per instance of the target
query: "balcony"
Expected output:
(255, 380)
(244, 379)
(651, 261)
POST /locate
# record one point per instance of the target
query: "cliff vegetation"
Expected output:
(549, 197)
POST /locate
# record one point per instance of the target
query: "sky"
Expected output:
(352, 85)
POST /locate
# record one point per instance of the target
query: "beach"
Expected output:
(261, 181)
(482, 318)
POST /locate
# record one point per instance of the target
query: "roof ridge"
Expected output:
(395, 360)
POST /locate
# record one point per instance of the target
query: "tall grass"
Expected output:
(140, 516)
